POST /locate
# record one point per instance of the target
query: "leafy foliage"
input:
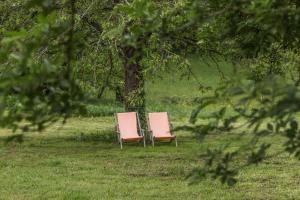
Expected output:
(41, 87)
(116, 43)
(263, 37)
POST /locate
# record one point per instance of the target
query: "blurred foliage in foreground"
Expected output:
(54, 51)
(37, 86)
(263, 36)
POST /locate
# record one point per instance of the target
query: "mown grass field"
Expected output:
(82, 160)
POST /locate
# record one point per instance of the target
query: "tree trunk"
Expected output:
(134, 92)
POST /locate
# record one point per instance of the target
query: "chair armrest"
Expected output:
(142, 132)
(150, 133)
(171, 126)
(117, 129)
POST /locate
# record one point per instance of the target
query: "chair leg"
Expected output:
(121, 144)
(176, 142)
(144, 141)
(152, 142)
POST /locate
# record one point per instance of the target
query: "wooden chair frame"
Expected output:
(140, 130)
(152, 137)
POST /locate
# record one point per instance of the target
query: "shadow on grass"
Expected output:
(102, 139)
(99, 136)
(106, 139)
(40, 139)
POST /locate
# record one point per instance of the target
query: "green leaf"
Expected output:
(14, 36)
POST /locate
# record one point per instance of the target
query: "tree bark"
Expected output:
(134, 92)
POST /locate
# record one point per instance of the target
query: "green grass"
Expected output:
(171, 91)
(187, 87)
(81, 160)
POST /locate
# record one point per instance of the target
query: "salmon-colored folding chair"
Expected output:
(160, 127)
(128, 128)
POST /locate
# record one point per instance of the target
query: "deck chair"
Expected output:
(160, 127)
(128, 128)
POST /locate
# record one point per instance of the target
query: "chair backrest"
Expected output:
(159, 124)
(127, 124)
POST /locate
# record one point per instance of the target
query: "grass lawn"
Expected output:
(81, 160)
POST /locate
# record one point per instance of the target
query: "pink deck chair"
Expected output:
(128, 128)
(160, 127)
